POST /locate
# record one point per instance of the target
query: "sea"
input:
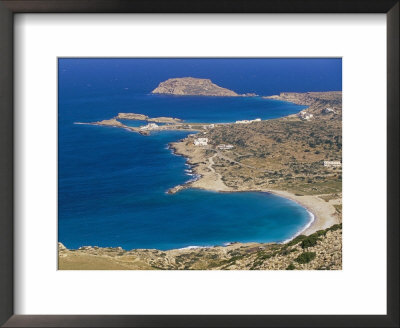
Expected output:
(112, 183)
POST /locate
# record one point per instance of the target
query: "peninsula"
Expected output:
(297, 157)
(190, 86)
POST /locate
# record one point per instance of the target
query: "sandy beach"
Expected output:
(325, 214)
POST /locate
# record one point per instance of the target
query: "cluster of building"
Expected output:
(248, 121)
(201, 142)
(305, 116)
(150, 126)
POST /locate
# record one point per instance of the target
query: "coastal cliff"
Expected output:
(190, 86)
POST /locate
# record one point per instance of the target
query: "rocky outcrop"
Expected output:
(110, 122)
(61, 246)
(190, 86)
(132, 116)
(176, 189)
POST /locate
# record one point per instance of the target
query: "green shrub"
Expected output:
(306, 257)
(291, 267)
(335, 227)
(310, 241)
(320, 233)
(296, 240)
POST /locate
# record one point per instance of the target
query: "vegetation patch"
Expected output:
(310, 241)
(306, 257)
(291, 266)
(296, 240)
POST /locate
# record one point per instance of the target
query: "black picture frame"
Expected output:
(10, 7)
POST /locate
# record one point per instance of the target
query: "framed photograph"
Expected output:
(186, 164)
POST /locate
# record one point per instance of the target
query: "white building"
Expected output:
(248, 121)
(150, 126)
(332, 163)
(328, 110)
(201, 142)
(225, 147)
(305, 116)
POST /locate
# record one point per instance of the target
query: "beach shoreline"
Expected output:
(324, 212)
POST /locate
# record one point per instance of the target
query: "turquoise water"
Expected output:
(112, 183)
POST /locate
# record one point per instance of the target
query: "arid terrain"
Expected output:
(297, 157)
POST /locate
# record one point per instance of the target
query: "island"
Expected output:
(297, 157)
(190, 86)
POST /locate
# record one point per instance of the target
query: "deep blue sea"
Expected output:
(112, 182)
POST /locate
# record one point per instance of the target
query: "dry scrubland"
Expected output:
(285, 156)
